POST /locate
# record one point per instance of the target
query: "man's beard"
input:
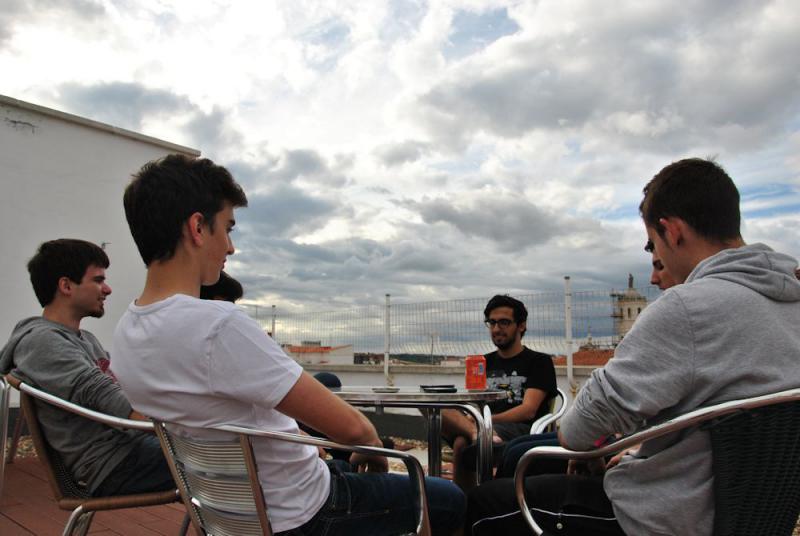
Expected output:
(504, 345)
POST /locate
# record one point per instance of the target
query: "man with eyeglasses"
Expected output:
(528, 376)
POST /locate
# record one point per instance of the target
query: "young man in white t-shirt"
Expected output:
(201, 363)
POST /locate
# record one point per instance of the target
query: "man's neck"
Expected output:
(165, 279)
(703, 249)
(62, 315)
(510, 352)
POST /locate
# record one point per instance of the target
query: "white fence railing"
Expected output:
(448, 328)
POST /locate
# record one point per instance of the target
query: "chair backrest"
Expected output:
(218, 482)
(58, 476)
(558, 406)
(756, 462)
(218, 479)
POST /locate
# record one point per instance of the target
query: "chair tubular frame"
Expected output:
(245, 436)
(687, 420)
(540, 425)
(82, 505)
(5, 390)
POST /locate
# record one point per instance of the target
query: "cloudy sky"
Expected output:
(435, 150)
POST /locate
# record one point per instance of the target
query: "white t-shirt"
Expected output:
(203, 363)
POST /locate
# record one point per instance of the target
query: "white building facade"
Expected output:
(63, 176)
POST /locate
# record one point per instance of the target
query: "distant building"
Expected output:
(628, 305)
(586, 357)
(313, 353)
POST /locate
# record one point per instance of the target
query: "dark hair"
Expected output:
(165, 192)
(504, 300)
(697, 191)
(65, 257)
(226, 288)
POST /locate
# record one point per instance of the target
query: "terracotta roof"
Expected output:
(313, 349)
(593, 357)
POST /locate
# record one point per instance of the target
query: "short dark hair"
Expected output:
(697, 191)
(165, 192)
(504, 300)
(226, 288)
(65, 257)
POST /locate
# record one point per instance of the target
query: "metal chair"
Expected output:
(755, 445)
(68, 494)
(4, 410)
(218, 479)
(558, 407)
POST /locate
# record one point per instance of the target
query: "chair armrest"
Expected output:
(541, 424)
(110, 420)
(675, 424)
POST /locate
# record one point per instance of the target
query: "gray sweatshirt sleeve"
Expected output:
(651, 371)
(60, 364)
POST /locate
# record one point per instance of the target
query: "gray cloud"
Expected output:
(503, 219)
(404, 152)
(211, 131)
(286, 210)
(649, 76)
(15, 11)
(124, 104)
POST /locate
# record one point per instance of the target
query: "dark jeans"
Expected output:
(515, 448)
(142, 471)
(381, 504)
(573, 505)
(506, 455)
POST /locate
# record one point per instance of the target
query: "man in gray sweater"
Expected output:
(52, 353)
(727, 330)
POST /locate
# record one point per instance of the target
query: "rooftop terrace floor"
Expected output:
(27, 507)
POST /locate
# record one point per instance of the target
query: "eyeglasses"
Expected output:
(503, 322)
(649, 247)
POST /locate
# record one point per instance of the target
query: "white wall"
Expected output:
(63, 177)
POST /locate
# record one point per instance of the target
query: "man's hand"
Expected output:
(593, 466)
(618, 456)
(369, 464)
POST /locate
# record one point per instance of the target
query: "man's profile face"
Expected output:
(502, 328)
(219, 244)
(660, 275)
(89, 296)
(666, 255)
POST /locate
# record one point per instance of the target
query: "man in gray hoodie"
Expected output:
(727, 330)
(52, 353)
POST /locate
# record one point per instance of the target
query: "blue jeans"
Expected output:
(381, 504)
(142, 471)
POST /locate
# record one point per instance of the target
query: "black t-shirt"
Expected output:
(526, 370)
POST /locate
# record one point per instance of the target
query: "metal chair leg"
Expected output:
(72, 522)
(187, 521)
(83, 524)
(12, 449)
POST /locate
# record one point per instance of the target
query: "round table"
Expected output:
(467, 401)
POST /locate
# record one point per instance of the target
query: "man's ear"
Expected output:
(674, 231)
(65, 285)
(195, 228)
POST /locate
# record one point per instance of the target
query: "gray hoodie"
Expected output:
(731, 331)
(66, 363)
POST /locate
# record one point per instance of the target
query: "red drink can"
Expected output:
(475, 374)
